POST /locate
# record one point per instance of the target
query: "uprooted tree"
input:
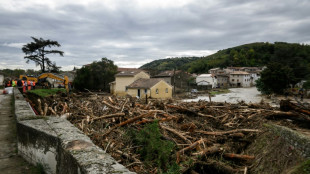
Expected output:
(95, 76)
(37, 51)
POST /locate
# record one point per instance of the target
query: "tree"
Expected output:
(37, 51)
(275, 78)
(95, 76)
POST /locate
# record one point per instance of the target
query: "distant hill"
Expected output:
(180, 63)
(293, 55)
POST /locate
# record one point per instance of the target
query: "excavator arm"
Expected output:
(65, 80)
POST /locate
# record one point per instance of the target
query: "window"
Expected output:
(233, 80)
(237, 80)
(166, 90)
(157, 91)
(145, 91)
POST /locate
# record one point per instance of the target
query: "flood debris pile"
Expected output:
(168, 136)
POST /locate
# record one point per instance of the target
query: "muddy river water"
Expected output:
(248, 95)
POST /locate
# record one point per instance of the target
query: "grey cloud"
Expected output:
(128, 33)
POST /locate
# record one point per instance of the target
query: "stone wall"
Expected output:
(57, 145)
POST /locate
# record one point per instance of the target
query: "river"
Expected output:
(248, 95)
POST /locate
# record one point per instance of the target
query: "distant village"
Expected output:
(139, 83)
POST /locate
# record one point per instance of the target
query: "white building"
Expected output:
(206, 79)
(240, 79)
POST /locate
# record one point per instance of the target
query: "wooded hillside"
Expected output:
(294, 55)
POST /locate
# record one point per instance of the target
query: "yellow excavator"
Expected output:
(41, 79)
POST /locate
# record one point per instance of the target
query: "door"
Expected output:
(139, 93)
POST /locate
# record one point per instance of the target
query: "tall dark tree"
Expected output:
(275, 78)
(37, 51)
(95, 76)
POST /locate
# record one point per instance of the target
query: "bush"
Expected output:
(153, 149)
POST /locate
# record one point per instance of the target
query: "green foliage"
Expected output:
(262, 87)
(154, 150)
(47, 92)
(173, 169)
(180, 63)
(12, 73)
(306, 85)
(302, 168)
(95, 76)
(37, 51)
(275, 78)
(295, 56)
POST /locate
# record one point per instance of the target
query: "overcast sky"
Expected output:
(135, 32)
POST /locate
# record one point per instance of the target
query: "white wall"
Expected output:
(206, 79)
(244, 80)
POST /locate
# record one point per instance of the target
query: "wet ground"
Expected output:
(236, 95)
(10, 161)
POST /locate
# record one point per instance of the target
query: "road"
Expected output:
(10, 161)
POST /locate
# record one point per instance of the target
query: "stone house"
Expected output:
(240, 79)
(222, 80)
(178, 78)
(124, 79)
(152, 88)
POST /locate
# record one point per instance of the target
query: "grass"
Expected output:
(219, 91)
(47, 92)
(303, 168)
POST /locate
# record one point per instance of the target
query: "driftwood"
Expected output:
(40, 107)
(219, 166)
(287, 115)
(228, 132)
(127, 122)
(179, 134)
(286, 105)
(45, 109)
(210, 150)
(238, 156)
(109, 116)
(129, 156)
(190, 147)
(111, 106)
(203, 123)
(52, 111)
(183, 110)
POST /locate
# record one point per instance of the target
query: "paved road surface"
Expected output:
(10, 162)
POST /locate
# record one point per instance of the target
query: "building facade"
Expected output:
(206, 80)
(151, 88)
(125, 78)
(240, 79)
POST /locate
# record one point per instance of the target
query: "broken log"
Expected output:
(287, 115)
(179, 134)
(109, 116)
(286, 105)
(127, 122)
(210, 150)
(228, 132)
(183, 110)
(238, 156)
(40, 107)
(190, 147)
(109, 105)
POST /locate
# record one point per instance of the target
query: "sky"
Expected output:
(134, 32)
